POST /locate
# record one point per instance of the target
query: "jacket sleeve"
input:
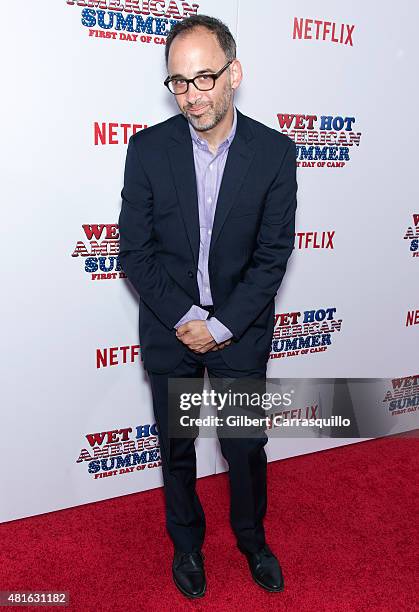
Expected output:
(275, 242)
(137, 256)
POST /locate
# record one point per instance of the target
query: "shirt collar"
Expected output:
(201, 142)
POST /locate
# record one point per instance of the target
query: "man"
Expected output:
(206, 228)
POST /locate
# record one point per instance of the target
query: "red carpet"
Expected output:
(343, 523)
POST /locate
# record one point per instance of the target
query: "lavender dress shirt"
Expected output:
(209, 171)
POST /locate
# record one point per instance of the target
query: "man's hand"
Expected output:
(197, 338)
(221, 345)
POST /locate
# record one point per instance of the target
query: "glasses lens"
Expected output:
(204, 82)
(178, 86)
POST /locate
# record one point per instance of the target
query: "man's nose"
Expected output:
(193, 94)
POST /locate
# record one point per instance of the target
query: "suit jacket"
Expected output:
(252, 237)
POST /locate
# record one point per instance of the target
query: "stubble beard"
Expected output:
(213, 114)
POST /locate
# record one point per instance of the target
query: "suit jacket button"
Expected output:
(190, 273)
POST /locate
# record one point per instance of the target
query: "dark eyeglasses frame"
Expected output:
(214, 76)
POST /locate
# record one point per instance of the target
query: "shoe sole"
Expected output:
(186, 592)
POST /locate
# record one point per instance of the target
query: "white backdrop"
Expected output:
(72, 378)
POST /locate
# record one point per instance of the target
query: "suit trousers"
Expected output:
(246, 458)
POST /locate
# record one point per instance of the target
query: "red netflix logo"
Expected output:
(309, 29)
(117, 355)
(115, 133)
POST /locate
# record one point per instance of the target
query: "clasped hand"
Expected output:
(196, 336)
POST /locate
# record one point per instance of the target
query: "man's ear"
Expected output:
(236, 74)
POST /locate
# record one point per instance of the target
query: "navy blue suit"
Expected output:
(251, 241)
(252, 237)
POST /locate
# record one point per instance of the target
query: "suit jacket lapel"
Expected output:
(183, 168)
(239, 158)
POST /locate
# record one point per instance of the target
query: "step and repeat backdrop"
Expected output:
(79, 78)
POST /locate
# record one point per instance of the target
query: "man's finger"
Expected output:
(221, 345)
(204, 347)
(182, 331)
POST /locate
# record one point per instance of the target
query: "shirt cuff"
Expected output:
(194, 312)
(218, 331)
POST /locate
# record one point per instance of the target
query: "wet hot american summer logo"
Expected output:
(99, 251)
(412, 235)
(321, 141)
(121, 451)
(403, 397)
(139, 21)
(297, 333)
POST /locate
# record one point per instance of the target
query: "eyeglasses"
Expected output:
(203, 82)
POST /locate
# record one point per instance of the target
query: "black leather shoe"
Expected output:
(265, 569)
(189, 573)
